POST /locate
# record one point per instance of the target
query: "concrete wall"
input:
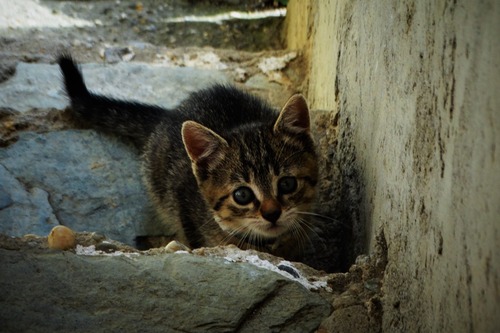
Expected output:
(416, 89)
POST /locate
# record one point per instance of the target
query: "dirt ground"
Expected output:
(36, 31)
(175, 32)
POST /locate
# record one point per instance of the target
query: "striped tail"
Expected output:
(128, 118)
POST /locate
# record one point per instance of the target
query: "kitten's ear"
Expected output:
(201, 143)
(294, 116)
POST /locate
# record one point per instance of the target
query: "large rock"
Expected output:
(82, 179)
(60, 291)
(39, 86)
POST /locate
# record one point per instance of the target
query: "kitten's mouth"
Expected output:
(266, 236)
(273, 230)
(263, 232)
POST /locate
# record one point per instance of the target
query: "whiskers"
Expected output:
(298, 228)
(343, 225)
(246, 237)
(243, 234)
(303, 236)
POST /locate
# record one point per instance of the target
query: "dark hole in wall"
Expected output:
(342, 236)
(351, 192)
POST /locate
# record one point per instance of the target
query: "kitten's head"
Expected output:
(260, 177)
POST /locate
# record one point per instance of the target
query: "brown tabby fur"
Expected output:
(212, 149)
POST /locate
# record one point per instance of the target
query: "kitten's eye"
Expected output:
(287, 185)
(243, 195)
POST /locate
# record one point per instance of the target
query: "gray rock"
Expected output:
(33, 86)
(90, 181)
(39, 85)
(5, 199)
(54, 292)
(23, 209)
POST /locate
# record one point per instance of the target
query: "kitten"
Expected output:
(221, 168)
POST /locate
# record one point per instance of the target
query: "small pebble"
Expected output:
(373, 285)
(97, 237)
(114, 55)
(175, 246)
(289, 270)
(106, 247)
(61, 238)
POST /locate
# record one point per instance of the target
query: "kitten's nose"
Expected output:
(272, 216)
(271, 211)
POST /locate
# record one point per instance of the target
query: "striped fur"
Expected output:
(204, 160)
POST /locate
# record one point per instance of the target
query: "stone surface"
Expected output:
(413, 89)
(57, 178)
(46, 291)
(23, 210)
(39, 85)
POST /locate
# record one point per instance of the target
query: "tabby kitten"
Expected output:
(221, 168)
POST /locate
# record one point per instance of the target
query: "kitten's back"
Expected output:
(224, 108)
(220, 107)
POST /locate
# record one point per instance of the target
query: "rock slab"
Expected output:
(82, 179)
(39, 86)
(64, 292)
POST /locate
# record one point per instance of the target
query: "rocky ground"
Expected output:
(105, 285)
(53, 171)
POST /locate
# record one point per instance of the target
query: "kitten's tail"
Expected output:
(131, 119)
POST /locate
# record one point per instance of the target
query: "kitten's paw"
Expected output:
(175, 246)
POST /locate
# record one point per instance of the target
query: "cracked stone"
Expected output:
(23, 210)
(94, 184)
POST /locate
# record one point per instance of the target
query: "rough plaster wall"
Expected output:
(417, 88)
(311, 28)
